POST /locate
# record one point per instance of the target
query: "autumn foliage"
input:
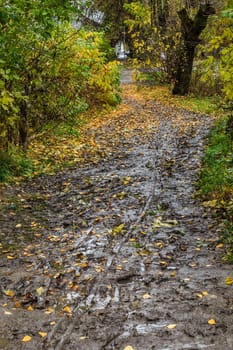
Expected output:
(49, 70)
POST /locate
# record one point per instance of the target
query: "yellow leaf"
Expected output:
(17, 305)
(146, 296)
(18, 225)
(43, 334)
(171, 326)
(199, 295)
(99, 269)
(26, 338)
(212, 322)
(67, 309)
(159, 244)
(129, 347)
(229, 281)
(10, 257)
(220, 245)
(40, 290)
(9, 293)
(49, 311)
(30, 308)
(205, 293)
(211, 204)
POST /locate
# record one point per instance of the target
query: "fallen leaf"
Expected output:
(212, 322)
(52, 323)
(18, 225)
(82, 338)
(146, 296)
(49, 311)
(10, 257)
(199, 295)
(171, 326)
(26, 338)
(220, 245)
(43, 334)
(30, 308)
(118, 230)
(159, 244)
(7, 312)
(82, 264)
(163, 263)
(40, 291)
(168, 223)
(205, 293)
(67, 309)
(10, 293)
(211, 204)
(18, 304)
(129, 347)
(229, 281)
(99, 269)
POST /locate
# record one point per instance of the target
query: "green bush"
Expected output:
(49, 70)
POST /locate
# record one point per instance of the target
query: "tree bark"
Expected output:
(23, 127)
(191, 30)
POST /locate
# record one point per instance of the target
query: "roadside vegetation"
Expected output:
(216, 180)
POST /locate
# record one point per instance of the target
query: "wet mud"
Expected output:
(123, 254)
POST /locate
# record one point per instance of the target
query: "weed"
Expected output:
(216, 181)
(14, 165)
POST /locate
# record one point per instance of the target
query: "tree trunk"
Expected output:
(184, 70)
(23, 127)
(191, 30)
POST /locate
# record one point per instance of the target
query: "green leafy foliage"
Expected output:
(14, 165)
(214, 72)
(49, 69)
(216, 181)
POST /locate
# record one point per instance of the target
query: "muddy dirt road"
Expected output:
(123, 256)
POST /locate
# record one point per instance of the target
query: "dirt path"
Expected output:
(123, 256)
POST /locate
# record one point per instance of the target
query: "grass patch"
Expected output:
(216, 181)
(206, 105)
(14, 165)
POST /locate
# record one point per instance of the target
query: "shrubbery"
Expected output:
(49, 70)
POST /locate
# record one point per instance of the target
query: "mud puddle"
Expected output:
(123, 254)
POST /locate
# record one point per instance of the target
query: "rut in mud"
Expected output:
(123, 255)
